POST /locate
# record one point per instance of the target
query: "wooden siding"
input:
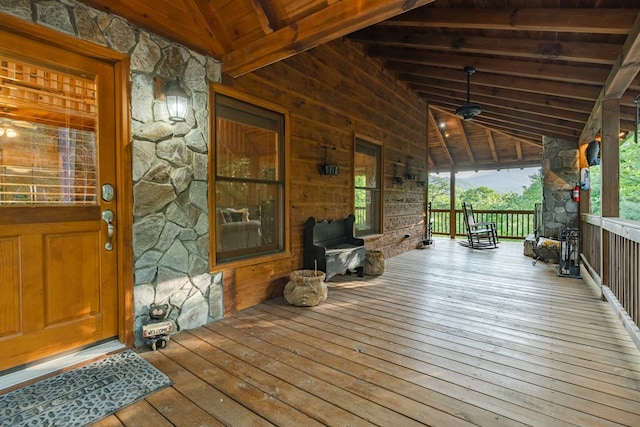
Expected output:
(446, 336)
(334, 93)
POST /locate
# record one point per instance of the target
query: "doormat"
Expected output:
(84, 395)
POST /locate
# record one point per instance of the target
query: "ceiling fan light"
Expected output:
(468, 111)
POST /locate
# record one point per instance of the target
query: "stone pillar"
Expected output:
(170, 188)
(560, 173)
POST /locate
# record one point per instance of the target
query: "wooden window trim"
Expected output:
(286, 167)
(372, 141)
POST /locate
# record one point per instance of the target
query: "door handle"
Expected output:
(107, 216)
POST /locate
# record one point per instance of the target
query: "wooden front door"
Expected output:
(58, 254)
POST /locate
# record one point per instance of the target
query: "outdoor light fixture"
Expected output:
(8, 131)
(468, 110)
(175, 97)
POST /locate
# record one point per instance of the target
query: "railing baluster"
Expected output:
(511, 224)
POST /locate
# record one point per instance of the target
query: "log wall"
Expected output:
(333, 93)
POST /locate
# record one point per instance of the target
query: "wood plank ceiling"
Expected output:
(543, 67)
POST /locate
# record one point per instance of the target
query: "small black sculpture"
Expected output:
(156, 332)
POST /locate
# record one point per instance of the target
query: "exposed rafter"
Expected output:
(620, 77)
(592, 21)
(267, 21)
(492, 146)
(585, 52)
(440, 137)
(311, 31)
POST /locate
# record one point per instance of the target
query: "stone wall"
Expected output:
(171, 230)
(561, 172)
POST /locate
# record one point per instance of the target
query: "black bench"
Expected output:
(330, 247)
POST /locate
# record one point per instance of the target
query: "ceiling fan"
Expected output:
(468, 110)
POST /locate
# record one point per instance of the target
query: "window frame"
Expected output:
(284, 158)
(379, 147)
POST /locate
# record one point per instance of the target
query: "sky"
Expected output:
(502, 181)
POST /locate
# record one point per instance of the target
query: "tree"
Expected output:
(438, 189)
(629, 181)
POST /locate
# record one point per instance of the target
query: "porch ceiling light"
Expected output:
(175, 97)
(177, 101)
(8, 131)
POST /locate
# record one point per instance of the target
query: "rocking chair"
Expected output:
(480, 235)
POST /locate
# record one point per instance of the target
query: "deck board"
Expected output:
(447, 336)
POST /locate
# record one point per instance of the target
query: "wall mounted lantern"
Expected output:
(396, 176)
(175, 97)
(326, 168)
(410, 173)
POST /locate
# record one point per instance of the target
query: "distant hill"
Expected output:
(503, 181)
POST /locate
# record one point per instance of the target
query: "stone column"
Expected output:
(560, 173)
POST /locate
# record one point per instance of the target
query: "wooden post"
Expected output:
(426, 166)
(452, 204)
(610, 175)
(610, 163)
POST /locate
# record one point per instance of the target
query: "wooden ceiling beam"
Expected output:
(465, 140)
(436, 129)
(265, 16)
(516, 102)
(620, 78)
(519, 150)
(527, 162)
(572, 73)
(518, 129)
(489, 82)
(510, 126)
(555, 108)
(530, 141)
(492, 145)
(510, 117)
(334, 21)
(219, 39)
(584, 52)
(593, 20)
(529, 91)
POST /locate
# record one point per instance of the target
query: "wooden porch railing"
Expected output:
(617, 267)
(511, 224)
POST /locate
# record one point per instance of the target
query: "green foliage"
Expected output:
(360, 194)
(485, 198)
(439, 191)
(629, 181)
(596, 179)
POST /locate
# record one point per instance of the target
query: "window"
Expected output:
(47, 136)
(248, 179)
(368, 188)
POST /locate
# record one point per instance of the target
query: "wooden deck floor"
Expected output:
(447, 336)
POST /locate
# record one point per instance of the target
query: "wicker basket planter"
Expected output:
(306, 288)
(374, 263)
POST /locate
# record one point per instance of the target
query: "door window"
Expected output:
(47, 136)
